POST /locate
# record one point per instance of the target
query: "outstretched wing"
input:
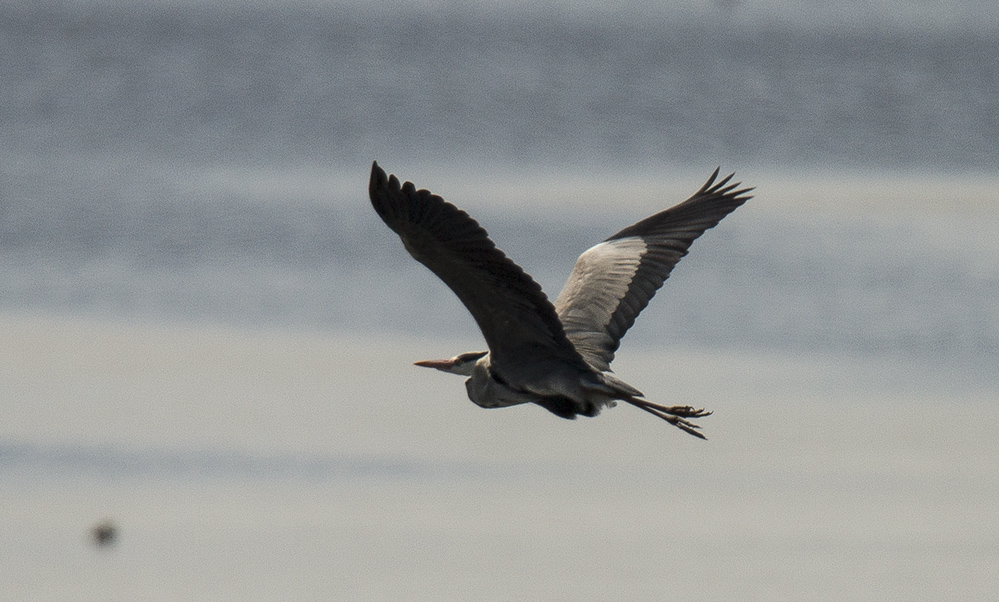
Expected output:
(613, 281)
(517, 320)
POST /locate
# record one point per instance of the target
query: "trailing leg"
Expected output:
(675, 415)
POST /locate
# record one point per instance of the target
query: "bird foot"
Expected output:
(675, 415)
(686, 411)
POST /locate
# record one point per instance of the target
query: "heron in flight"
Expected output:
(557, 355)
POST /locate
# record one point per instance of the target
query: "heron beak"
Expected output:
(443, 365)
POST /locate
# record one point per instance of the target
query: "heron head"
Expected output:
(462, 364)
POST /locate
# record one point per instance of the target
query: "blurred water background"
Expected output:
(206, 333)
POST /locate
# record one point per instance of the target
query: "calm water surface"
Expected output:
(207, 335)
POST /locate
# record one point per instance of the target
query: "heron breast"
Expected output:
(487, 392)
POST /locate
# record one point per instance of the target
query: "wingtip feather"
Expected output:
(377, 173)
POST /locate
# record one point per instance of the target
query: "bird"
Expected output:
(555, 355)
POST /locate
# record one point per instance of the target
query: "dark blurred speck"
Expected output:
(104, 534)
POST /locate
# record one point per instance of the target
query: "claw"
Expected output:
(686, 411)
(688, 427)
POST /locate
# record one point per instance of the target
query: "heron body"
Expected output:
(556, 355)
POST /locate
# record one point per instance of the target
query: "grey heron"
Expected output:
(556, 355)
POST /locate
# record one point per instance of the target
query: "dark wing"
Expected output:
(612, 282)
(517, 320)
